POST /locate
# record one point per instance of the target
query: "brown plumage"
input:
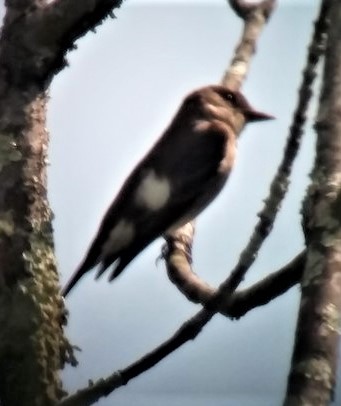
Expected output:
(182, 173)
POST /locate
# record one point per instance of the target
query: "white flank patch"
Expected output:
(120, 236)
(153, 192)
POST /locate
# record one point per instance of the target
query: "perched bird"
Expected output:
(175, 181)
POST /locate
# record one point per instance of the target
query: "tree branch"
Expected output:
(279, 185)
(178, 260)
(64, 21)
(188, 331)
(68, 20)
(198, 291)
(192, 327)
(266, 289)
(240, 303)
(255, 17)
(245, 9)
(46, 33)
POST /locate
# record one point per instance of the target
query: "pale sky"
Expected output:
(121, 90)
(209, 2)
(123, 86)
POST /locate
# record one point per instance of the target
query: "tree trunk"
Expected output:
(32, 345)
(313, 372)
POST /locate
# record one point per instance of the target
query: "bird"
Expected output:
(175, 181)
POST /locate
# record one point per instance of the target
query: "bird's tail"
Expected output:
(91, 259)
(72, 282)
(77, 275)
(119, 265)
(121, 262)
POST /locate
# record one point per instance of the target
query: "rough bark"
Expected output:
(32, 345)
(313, 370)
(255, 16)
(34, 40)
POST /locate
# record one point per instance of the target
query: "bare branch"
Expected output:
(44, 34)
(95, 391)
(71, 19)
(240, 303)
(245, 9)
(178, 259)
(62, 22)
(279, 184)
(255, 17)
(178, 256)
(266, 289)
(188, 331)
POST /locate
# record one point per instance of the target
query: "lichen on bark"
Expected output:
(32, 345)
(312, 377)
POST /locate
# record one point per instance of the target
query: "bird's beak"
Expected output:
(254, 115)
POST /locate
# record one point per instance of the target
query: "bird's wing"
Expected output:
(191, 166)
(171, 185)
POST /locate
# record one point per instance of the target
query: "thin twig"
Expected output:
(241, 303)
(198, 291)
(254, 16)
(279, 185)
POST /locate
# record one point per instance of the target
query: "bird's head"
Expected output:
(231, 107)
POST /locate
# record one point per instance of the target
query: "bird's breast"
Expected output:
(222, 139)
(229, 155)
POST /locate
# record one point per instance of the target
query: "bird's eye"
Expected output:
(231, 98)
